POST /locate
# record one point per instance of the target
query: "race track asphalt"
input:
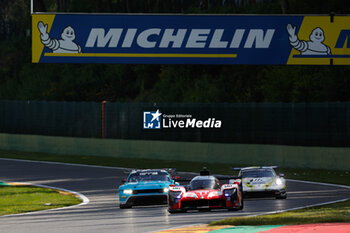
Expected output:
(102, 214)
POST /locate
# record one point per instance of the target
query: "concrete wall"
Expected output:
(286, 156)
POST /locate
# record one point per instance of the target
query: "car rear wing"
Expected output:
(181, 179)
(231, 180)
(223, 177)
(205, 172)
(240, 168)
(171, 171)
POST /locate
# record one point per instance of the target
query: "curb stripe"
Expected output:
(248, 229)
(317, 228)
(201, 228)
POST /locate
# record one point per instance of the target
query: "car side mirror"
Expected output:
(281, 175)
(123, 181)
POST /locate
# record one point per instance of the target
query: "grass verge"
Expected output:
(21, 199)
(338, 212)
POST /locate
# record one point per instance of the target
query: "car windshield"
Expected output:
(258, 173)
(204, 184)
(148, 176)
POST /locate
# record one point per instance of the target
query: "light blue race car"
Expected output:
(145, 187)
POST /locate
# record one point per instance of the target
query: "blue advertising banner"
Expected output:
(190, 39)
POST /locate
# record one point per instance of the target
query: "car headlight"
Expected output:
(278, 181)
(127, 191)
(229, 192)
(165, 190)
(176, 195)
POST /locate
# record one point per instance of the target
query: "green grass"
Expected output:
(20, 199)
(339, 212)
(331, 213)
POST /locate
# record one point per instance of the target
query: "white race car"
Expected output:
(262, 181)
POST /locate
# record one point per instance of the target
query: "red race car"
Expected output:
(206, 192)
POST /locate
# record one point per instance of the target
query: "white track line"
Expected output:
(307, 206)
(80, 196)
(68, 164)
(319, 183)
(177, 227)
(120, 168)
(298, 208)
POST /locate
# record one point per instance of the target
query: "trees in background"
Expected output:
(19, 79)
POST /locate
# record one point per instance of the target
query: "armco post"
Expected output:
(103, 118)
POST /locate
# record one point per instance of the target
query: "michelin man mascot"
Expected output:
(65, 45)
(314, 46)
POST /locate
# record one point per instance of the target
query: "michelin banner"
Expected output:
(191, 39)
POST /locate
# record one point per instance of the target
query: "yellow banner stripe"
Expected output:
(332, 32)
(37, 46)
(140, 55)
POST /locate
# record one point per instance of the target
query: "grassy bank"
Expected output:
(339, 212)
(20, 199)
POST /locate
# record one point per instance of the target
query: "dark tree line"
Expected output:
(22, 80)
(190, 6)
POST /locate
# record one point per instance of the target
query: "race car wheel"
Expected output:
(242, 204)
(282, 196)
(204, 210)
(176, 211)
(125, 206)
